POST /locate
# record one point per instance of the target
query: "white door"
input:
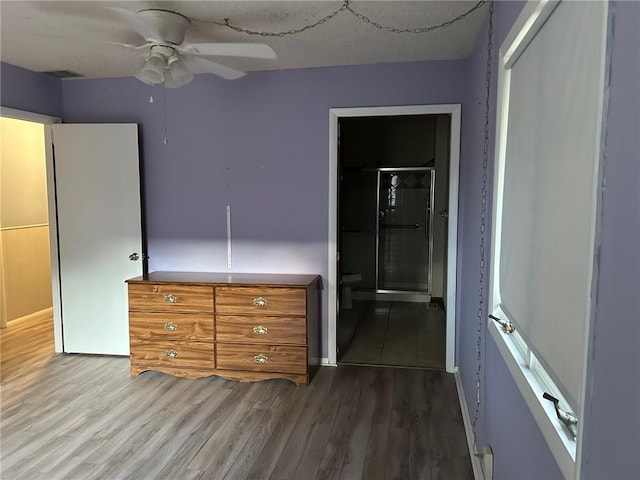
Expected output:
(99, 228)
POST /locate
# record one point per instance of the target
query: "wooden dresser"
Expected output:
(243, 327)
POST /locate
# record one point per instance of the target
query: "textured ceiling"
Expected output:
(74, 35)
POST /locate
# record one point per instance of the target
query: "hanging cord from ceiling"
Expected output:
(480, 312)
(346, 7)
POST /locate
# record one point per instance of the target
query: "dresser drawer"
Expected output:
(262, 358)
(170, 353)
(169, 297)
(261, 329)
(197, 326)
(261, 300)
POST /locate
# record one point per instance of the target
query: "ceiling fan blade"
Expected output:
(197, 63)
(130, 45)
(141, 25)
(249, 50)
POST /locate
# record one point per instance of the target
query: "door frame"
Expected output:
(452, 229)
(47, 121)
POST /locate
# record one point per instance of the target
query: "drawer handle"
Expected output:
(261, 359)
(260, 302)
(169, 298)
(260, 330)
(172, 327)
(171, 353)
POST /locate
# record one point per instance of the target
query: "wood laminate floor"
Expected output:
(408, 334)
(84, 417)
(26, 342)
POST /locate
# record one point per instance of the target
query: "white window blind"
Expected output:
(546, 235)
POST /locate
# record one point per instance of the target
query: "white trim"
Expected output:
(530, 20)
(325, 362)
(452, 237)
(47, 121)
(454, 171)
(58, 337)
(332, 271)
(28, 116)
(551, 428)
(468, 427)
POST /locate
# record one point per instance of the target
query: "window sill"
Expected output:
(561, 445)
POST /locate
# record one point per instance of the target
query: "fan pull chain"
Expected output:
(164, 93)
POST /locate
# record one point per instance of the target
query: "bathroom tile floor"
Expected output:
(406, 334)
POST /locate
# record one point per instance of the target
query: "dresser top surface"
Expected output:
(208, 278)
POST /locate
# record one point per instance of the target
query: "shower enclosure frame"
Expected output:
(428, 225)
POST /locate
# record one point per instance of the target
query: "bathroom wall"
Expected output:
(358, 218)
(407, 141)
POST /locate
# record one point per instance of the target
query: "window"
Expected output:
(550, 105)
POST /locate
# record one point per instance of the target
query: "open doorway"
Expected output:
(94, 205)
(393, 227)
(26, 288)
(393, 178)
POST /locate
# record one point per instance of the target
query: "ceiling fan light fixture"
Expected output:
(153, 70)
(177, 73)
(164, 34)
(138, 75)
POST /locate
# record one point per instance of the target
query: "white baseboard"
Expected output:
(476, 462)
(325, 361)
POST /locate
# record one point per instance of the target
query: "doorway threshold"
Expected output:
(416, 297)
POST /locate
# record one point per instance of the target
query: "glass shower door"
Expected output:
(405, 243)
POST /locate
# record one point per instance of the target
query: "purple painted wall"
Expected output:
(613, 432)
(30, 91)
(259, 144)
(520, 452)
(612, 439)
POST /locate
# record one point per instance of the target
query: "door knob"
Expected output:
(134, 256)
(444, 214)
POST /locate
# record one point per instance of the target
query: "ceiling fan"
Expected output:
(169, 58)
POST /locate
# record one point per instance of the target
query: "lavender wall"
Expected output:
(612, 439)
(259, 144)
(519, 452)
(613, 410)
(30, 91)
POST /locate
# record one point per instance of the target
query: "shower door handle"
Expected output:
(427, 223)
